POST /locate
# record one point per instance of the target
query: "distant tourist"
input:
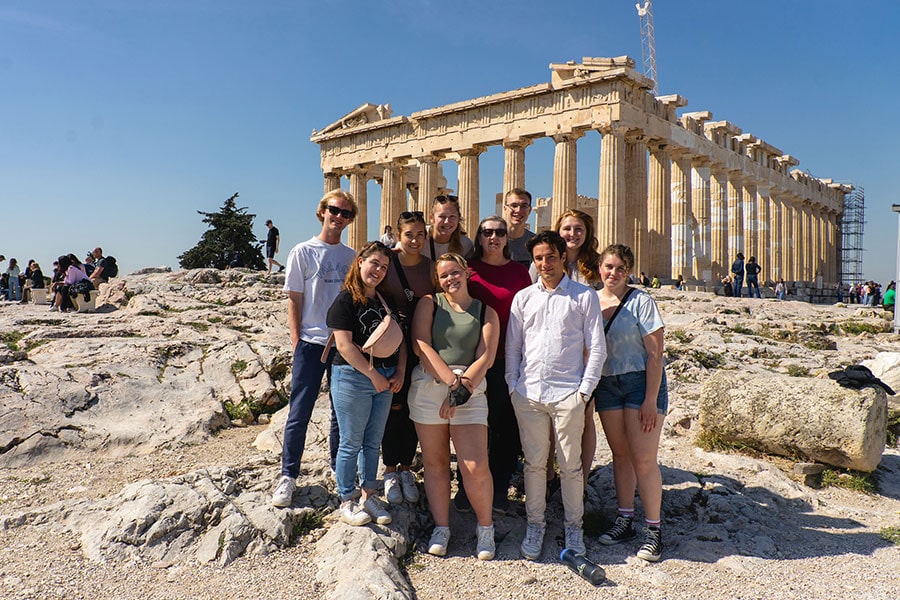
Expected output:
(726, 286)
(105, 267)
(655, 284)
(780, 290)
(679, 283)
(388, 238)
(752, 270)
(737, 274)
(316, 270)
(645, 281)
(446, 233)
(516, 210)
(889, 297)
(273, 242)
(12, 272)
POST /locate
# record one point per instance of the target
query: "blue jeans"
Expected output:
(738, 284)
(362, 414)
(15, 290)
(752, 282)
(306, 379)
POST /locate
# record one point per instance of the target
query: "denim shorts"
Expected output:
(616, 392)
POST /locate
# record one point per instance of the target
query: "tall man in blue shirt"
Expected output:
(555, 350)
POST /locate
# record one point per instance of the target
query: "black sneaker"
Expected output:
(652, 548)
(281, 269)
(461, 502)
(621, 531)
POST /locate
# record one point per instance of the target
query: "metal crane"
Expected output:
(648, 42)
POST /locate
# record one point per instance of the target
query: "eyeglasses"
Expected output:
(486, 232)
(518, 206)
(335, 211)
(416, 214)
(445, 199)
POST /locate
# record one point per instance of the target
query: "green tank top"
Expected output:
(455, 335)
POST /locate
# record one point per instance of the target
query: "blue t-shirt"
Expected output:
(625, 339)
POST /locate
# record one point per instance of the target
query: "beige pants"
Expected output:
(535, 419)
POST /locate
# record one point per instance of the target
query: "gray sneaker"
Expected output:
(354, 514)
(393, 492)
(376, 510)
(575, 540)
(533, 541)
(440, 537)
(284, 493)
(409, 487)
(486, 548)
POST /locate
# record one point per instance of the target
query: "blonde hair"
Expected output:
(320, 212)
(448, 257)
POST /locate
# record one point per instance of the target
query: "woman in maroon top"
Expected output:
(495, 280)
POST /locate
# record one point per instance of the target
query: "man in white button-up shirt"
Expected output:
(555, 350)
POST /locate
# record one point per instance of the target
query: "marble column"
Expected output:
(357, 230)
(428, 183)
(764, 244)
(751, 227)
(796, 239)
(787, 238)
(735, 217)
(682, 250)
(612, 186)
(565, 171)
(468, 187)
(718, 218)
(332, 182)
(659, 216)
(775, 232)
(701, 201)
(635, 205)
(514, 164)
(393, 195)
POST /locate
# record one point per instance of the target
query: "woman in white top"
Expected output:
(445, 232)
(632, 398)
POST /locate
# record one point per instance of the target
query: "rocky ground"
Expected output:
(118, 480)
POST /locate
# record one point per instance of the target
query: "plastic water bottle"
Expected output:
(585, 569)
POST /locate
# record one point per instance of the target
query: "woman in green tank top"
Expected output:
(455, 337)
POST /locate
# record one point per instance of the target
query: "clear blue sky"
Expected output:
(119, 120)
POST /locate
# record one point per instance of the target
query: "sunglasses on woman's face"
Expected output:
(487, 232)
(335, 211)
(412, 215)
(444, 199)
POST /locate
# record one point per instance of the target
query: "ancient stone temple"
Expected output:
(686, 192)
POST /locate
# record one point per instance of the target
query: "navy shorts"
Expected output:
(616, 392)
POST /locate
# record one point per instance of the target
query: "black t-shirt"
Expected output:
(37, 279)
(752, 269)
(272, 237)
(361, 320)
(102, 264)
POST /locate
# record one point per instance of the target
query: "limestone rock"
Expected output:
(886, 367)
(782, 415)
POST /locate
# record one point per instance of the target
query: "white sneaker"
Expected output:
(393, 492)
(354, 514)
(440, 537)
(284, 493)
(575, 540)
(486, 548)
(533, 541)
(54, 309)
(409, 487)
(377, 511)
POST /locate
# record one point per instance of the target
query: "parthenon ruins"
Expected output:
(687, 193)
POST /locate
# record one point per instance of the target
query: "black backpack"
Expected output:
(111, 269)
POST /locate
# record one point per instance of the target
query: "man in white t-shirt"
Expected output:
(315, 273)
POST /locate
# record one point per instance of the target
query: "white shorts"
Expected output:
(426, 396)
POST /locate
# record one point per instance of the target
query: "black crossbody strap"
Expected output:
(618, 308)
(410, 295)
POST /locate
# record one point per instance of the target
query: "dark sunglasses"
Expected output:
(334, 210)
(445, 199)
(416, 214)
(487, 232)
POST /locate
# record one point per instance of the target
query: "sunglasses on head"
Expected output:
(444, 199)
(416, 214)
(334, 210)
(488, 232)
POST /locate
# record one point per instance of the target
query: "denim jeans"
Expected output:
(752, 282)
(362, 414)
(15, 291)
(738, 284)
(306, 380)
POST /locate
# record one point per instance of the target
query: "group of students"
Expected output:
(510, 344)
(16, 282)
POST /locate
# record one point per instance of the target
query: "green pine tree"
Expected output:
(230, 236)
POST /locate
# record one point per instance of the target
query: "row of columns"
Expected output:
(680, 213)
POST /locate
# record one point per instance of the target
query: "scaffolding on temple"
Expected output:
(852, 224)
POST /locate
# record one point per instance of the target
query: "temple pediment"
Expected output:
(365, 114)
